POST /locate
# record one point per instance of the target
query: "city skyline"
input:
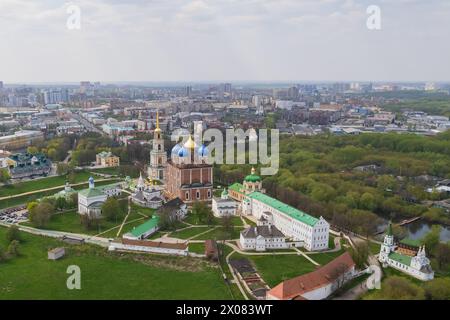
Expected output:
(224, 41)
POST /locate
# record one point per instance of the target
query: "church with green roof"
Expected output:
(414, 263)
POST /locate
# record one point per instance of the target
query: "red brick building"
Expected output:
(190, 180)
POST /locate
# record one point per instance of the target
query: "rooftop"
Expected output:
(294, 288)
(401, 258)
(285, 208)
(143, 228)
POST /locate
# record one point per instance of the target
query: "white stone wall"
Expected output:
(119, 246)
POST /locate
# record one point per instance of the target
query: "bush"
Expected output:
(13, 234)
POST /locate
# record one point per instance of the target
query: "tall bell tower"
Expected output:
(158, 156)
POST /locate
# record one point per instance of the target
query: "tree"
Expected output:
(399, 288)
(203, 212)
(442, 255)
(61, 203)
(13, 249)
(431, 239)
(32, 150)
(367, 201)
(338, 275)
(62, 168)
(2, 255)
(438, 289)
(41, 213)
(227, 227)
(360, 254)
(88, 222)
(4, 176)
(111, 209)
(13, 234)
(167, 218)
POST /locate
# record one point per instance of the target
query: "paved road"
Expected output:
(104, 242)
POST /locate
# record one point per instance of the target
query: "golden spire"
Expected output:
(157, 121)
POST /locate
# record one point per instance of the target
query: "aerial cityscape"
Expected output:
(233, 189)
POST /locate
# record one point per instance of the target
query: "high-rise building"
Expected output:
(188, 91)
(1, 85)
(293, 93)
(227, 88)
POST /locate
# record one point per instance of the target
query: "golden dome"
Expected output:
(157, 122)
(190, 144)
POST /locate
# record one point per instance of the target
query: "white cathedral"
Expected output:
(416, 265)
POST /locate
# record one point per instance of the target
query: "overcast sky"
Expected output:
(217, 40)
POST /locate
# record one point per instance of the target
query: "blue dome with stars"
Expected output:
(183, 152)
(175, 149)
(203, 151)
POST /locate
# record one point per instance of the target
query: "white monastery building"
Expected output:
(415, 264)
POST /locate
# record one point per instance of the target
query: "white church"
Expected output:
(416, 264)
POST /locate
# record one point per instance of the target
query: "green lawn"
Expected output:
(374, 247)
(70, 222)
(197, 247)
(43, 183)
(325, 257)
(109, 170)
(277, 268)
(189, 232)
(104, 275)
(6, 203)
(218, 232)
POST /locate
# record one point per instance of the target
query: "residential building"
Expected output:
(107, 159)
(25, 165)
(20, 139)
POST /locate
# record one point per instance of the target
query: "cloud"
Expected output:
(224, 39)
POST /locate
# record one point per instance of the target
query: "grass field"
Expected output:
(110, 170)
(104, 275)
(189, 232)
(218, 232)
(70, 222)
(33, 185)
(197, 247)
(325, 257)
(6, 203)
(277, 268)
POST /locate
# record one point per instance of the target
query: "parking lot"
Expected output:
(14, 215)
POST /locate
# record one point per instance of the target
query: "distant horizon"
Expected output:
(215, 82)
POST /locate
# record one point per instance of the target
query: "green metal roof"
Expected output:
(252, 178)
(389, 229)
(91, 192)
(236, 187)
(401, 258)
(143, 228)
(287, 209)
(411, 242)
(97, 191)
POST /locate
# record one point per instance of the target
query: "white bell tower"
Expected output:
(158, 156)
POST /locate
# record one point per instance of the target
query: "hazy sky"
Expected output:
(198, 40)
